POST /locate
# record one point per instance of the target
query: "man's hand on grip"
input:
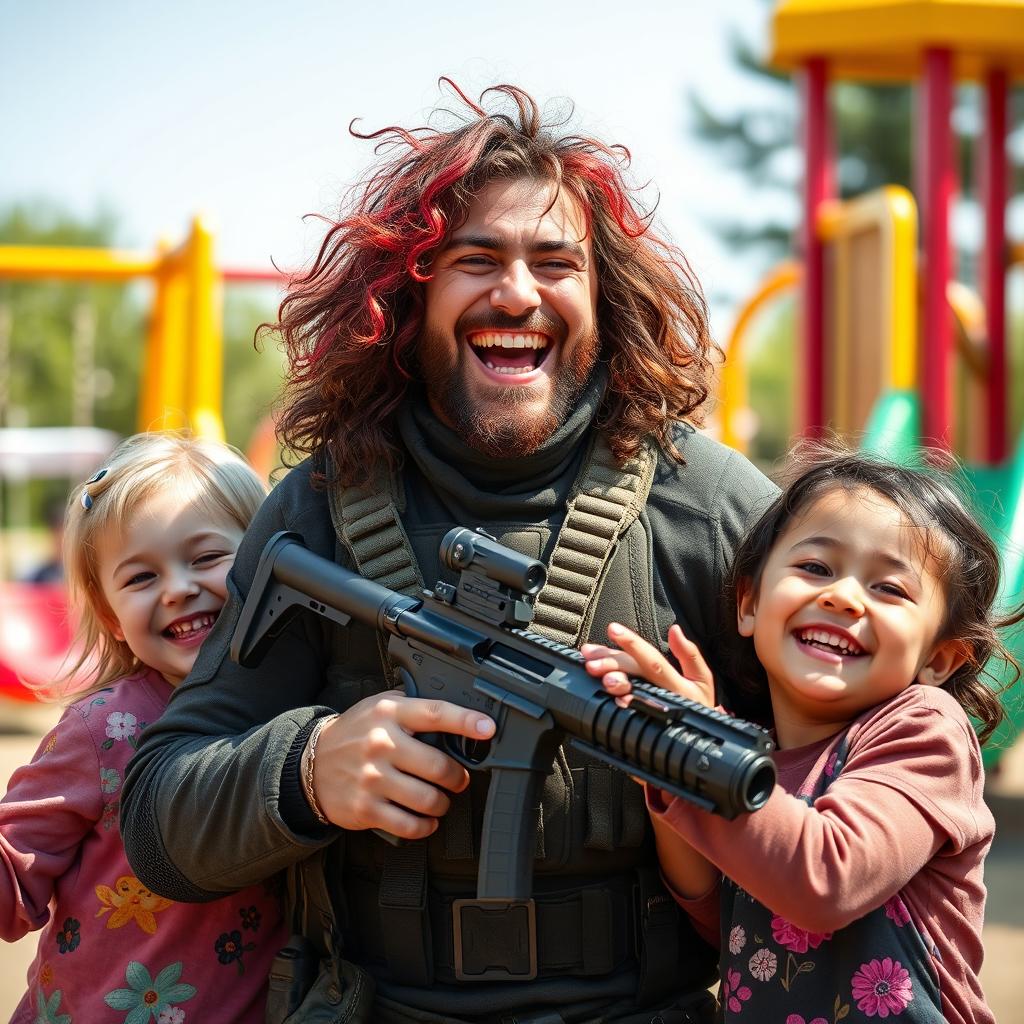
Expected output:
(371, 772)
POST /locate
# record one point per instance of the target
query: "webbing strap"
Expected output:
(405, 923)
(606, 500)
(366, 520)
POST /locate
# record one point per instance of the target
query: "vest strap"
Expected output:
(366, 520)
(405, 923)
(605, 501)
(658, 928)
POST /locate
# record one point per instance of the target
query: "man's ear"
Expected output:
(746, 605)
(944, 660)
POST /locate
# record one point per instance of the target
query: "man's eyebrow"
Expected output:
(496, 244)
(824, 540)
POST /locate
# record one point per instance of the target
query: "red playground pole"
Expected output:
(994, 262)
(937, 334)
(819, 186)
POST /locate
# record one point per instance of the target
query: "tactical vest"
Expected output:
(603, 926)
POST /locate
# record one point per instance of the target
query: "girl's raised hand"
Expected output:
(639, 658)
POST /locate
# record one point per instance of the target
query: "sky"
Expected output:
(239, 111)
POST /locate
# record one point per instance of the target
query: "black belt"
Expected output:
(586, 931)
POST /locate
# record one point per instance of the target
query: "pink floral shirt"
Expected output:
(110, 950)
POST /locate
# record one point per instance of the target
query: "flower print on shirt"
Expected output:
(797, 940)
(763, 964)
(69, 935)
(122, 725)
(46, 1009)
(251, 918)
(737, 939)
(130, 900)
(896, 910)
(171, 1015)
(110, 781)
(795, 1018)
(882, 987)
(733, 993)
(146, 997)
(230, 949)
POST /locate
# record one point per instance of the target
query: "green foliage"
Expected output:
(252, 376)
(773, 372)
(41, 375)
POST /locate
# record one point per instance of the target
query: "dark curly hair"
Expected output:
(349, 325)
(964, 556)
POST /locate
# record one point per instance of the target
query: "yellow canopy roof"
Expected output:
(886, 39)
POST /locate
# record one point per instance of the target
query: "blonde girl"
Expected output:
(149, 540)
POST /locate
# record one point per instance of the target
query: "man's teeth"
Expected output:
(507, 369)
(510, 340)
(822, 636)
(184, 628)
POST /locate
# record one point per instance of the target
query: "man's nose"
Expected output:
(843, 596)
(516, 293)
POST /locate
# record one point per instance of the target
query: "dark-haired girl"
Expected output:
(856, 892)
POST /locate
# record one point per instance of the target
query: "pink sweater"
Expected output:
(111, 950)
(906, 815)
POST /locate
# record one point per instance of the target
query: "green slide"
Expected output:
(998, 496)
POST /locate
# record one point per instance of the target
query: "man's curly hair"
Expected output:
(350, 324)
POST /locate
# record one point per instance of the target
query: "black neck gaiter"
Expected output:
(473, 486)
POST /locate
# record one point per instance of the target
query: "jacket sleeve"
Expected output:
(699, 511)
(199, 809)
(910, 791)
(52, 804)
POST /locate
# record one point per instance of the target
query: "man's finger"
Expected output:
(419, 759)
(417, 714)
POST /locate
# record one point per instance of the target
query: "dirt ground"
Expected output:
(1004, 875)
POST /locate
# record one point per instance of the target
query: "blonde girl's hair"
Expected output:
(213, 476)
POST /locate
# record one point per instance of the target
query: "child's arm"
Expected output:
(911, 789)
(52, 803)
(690, 874)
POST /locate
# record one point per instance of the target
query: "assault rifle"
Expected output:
(468, 643)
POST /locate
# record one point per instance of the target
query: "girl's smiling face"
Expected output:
(163, 579)
(847, 613)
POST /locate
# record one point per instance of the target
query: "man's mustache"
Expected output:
(535, 321)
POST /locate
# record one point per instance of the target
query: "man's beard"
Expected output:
(502, 427)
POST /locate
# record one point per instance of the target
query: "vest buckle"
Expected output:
(495, 939)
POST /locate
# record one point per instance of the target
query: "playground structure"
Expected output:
(180, 387)
(182, 371)
(889, 341)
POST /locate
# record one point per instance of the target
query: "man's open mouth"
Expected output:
(510, 353)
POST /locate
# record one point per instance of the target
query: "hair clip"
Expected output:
(95, 478)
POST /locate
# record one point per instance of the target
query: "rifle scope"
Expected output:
(464, 549)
